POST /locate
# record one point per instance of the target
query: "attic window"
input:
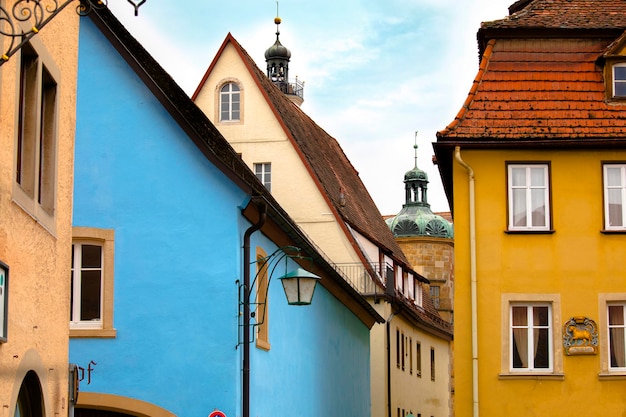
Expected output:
(230, 102)
(619, 80)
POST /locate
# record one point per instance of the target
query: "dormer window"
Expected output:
(619, 80)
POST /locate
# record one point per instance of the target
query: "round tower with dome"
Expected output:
(427, 239)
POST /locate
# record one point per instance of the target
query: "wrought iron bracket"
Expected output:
(26, 18)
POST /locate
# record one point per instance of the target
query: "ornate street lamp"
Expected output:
(299, 286)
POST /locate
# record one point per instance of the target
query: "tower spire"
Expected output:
(277, 58)
(415, 147)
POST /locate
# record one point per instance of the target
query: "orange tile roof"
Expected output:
(563, 14)
(539, 89)
(541, 80)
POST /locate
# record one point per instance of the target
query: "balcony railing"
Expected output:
(294, 88)
(367, 280)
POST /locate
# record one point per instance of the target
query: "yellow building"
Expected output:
(533, 166)
(37, 121)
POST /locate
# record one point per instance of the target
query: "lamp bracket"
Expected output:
(21, 22)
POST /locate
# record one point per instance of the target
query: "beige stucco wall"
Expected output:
(419, 395)
(38, 256)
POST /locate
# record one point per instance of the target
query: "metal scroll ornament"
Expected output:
(26, 18)
(580, 336)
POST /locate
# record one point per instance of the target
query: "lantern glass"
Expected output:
(299, 286)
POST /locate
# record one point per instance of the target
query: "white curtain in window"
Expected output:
(538, 196)
(614, 195)
(518, 185)
(617, 337)
(520, 334)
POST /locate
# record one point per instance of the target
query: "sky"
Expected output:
(375, 71)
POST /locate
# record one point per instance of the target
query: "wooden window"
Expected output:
(36, 144)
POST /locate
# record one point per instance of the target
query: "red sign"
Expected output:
(217, 413)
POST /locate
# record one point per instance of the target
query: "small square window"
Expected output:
(619, 80)
(263, 172)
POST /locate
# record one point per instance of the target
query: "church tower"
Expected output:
(427, 239)
(277, 58)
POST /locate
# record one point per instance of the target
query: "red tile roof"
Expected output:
(564, 14)
(533, 89)
(541, 79)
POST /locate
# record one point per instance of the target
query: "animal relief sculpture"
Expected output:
(580, 336)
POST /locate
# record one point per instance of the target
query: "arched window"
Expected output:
(30, 398)
(230, 103)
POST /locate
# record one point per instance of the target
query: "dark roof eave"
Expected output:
(485, 33)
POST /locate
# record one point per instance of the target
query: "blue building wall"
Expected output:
(178, 236)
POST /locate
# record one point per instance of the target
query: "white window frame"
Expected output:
(77, 270)
(105, 238)
(621, 326)
(263, 171)
(617, 189)
(556, 343)
(229, 95)
(529, 190)
(530, 336)
(604, 301)
(616, 81)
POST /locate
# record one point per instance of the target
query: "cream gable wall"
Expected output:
(259, 137)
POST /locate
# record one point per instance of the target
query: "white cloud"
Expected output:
(375, 71)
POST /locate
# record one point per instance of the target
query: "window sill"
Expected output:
(529, 232)
(613, 232)
(96, 333)
(533, 375)
(263, 344)
(612, 376)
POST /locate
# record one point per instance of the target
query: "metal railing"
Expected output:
(294, 88)
(366, 280)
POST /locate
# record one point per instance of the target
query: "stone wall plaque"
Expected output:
(580, 336)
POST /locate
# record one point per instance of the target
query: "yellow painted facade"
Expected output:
(575, 268)
(35, 221)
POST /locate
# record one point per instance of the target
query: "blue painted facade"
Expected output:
(178, 253)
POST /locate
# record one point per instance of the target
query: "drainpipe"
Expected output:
(474, 306)
(245, 391)
(388, 324)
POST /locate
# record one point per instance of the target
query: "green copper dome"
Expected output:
(416, 217)
(415, 220)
